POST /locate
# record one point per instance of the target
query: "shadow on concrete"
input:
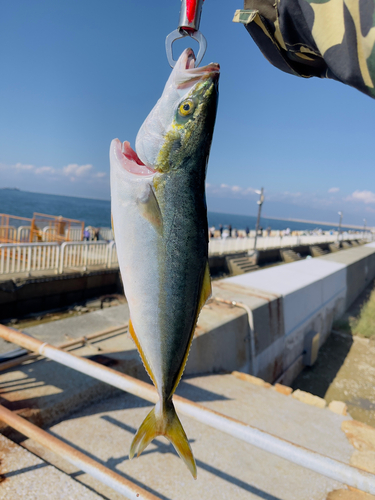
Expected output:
(168, 448)
(110, 464)
(317, 379)
(197, 394)
(24, 470)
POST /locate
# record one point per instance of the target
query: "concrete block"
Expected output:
(251, 379)
(360, 269)
(310, 399)
(282, 389)
(221, 340)
(305, 286)
(338, 407)
(291, 372)
(267, 320)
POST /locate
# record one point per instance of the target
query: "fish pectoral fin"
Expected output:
(166, 423)
(150, 210)
(206, 288)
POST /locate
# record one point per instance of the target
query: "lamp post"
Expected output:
(260, 203)
(338, 236)
(364, 227)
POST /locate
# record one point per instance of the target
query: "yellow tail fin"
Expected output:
(164, 422)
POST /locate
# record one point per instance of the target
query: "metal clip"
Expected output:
(179, 33)
(190, 17)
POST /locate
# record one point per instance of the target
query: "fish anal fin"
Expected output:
(206, 288)
(150, 210)
(164, 422)
(140, 350)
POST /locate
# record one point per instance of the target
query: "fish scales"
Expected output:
(160, 225)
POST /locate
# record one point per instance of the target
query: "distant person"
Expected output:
(86, 235)
(221, 230)
(230, 230)
(96, 234)
(247, 231)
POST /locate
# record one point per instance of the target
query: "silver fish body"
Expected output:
(160, 225)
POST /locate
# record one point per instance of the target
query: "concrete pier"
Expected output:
(266, 310)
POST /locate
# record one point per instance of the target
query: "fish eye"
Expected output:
(186, 108)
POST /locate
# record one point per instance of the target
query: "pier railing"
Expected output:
(222, 246)
(80, 255)
(30, 257)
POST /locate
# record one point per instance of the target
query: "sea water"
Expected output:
(97, 213)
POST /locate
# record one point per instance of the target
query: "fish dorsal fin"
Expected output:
(140, 350)
(149, 208)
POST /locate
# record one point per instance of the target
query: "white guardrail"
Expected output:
(29, 257)
(224, 246)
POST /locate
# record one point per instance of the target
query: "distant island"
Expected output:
(9, 189)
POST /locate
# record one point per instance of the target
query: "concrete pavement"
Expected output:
(227, 468)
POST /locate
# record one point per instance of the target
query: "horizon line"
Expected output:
(334, 224)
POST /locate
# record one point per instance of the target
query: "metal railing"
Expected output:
(222, 246)
(29, 257)
(83, 254)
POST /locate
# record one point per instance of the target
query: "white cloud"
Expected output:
(288, 194)
(229, 191)
(77, 170)
(333, 190)
(363, 196)
(44, 170)
(20, 166)
(73, 171)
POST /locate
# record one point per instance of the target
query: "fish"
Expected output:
(159, 218)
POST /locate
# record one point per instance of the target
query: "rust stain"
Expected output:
(360, 435)
(362, 438)
(350, 494)
(279, 314)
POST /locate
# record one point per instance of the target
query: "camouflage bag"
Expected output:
(324, 38)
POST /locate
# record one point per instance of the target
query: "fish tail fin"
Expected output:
(164, 423)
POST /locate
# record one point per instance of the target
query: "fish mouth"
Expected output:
(129, 159)
(189, 74)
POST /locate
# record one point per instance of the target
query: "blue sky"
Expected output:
(76, 74)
